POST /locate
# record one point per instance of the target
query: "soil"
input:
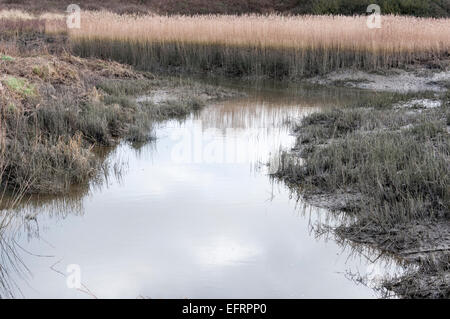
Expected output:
(395, 80)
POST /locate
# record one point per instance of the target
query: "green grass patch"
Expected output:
(21, 86)
(6, 58)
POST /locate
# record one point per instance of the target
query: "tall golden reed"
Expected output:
(270, 45)
(396, 34)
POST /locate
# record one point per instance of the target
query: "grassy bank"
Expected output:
(385, 164)
(265, 46)
(47, 140)
(49, 127)
(55, 108)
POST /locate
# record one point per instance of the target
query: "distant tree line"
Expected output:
(422, 8)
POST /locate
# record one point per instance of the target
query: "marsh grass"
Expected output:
(6, 58)
(40, 161)
(21, 33)
(174, 109)
(397, 160)
(120, 88)
(18, 26)
(11, 265)
(20, 86)
(272, 46)
(49, 149)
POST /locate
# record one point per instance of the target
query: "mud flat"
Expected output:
(393, 80)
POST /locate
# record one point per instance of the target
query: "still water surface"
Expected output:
(194, 215)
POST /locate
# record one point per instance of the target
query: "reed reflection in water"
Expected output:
(197, 226)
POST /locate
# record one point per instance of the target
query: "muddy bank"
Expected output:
(417, 79)
(384, 164)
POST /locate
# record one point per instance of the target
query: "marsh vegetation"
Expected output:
(383, 160)
(266, 46)
(56, 108)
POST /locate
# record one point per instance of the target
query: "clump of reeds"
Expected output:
(396, 160)
(272, 45)
(49, 149)
(20, 22)
(21, 33)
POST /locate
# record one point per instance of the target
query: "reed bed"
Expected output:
(272, 45)
(19, 22)
(22, 33)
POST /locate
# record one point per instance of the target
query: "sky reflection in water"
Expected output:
(189, 220)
